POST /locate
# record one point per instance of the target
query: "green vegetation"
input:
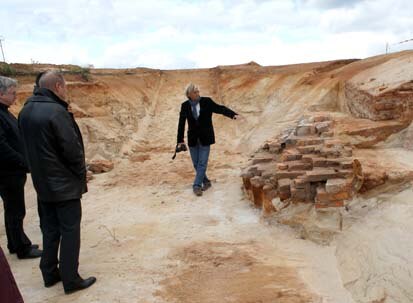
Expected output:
(17, 69)
(6, 70)
(83, 71)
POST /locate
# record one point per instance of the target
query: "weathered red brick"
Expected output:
(326, 197)
(282, 166)
(321, 174)
(299, 194)
(269, 193)
(322, 127)
(308, 158)
(334, 143)
(284, 184)
(246, 180)
(262, 160)
(337, 185)
(305, 130)
(345, 173)
(288, 174)
(385, 106)
(309, 141)
(330, 152)
(327, 134)
(329, 204)
(257, 184)
(309, 149)
(321, 118)
(299, 166)
(284, 195)
(291, 157)
(301, 183)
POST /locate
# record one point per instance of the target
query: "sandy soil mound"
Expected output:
(222, 272)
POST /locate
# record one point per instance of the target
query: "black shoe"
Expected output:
(31, 254)
(79, 284)
(33, 246)
(206, 185)
(198, 191)
(53, 280)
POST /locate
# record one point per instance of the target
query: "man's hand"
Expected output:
(239, 117)
(181, 147)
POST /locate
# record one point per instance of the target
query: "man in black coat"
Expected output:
(198, 112)
(55, 151)
(13, 169)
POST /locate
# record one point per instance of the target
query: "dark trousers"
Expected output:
(12, 194)
(60, 225)
(9, 293)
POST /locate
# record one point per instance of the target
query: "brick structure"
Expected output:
(306, 164)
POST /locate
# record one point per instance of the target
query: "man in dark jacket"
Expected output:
(198, 112)
(55, 151)
(13, 169)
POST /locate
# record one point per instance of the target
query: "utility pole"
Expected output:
(1, 47)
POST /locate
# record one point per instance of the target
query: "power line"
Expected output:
(404, 41)
(397, 43)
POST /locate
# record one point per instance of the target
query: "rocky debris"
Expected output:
(139, 157)
(303, 166)
(364, 133)
(100, 166)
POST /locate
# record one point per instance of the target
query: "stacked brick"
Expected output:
(381, 105)
(304, 165)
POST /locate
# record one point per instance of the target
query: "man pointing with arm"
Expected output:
(197, 111)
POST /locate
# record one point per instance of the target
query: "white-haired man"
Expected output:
(13, 170)
(198, 112)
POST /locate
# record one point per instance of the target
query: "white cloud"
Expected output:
(183, 33)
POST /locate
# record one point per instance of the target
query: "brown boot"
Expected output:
(198, 191)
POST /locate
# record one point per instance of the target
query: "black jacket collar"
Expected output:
(48, 93)
(4, 107)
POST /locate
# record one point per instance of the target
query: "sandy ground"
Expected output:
(375, 253)
(147, 238)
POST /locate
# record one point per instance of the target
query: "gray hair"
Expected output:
(50, 78)
(190, 88)
(6, 83)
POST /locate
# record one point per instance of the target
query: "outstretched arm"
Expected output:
(223, 110)
(181, 125)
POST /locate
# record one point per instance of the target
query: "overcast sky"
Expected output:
(191, 34)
